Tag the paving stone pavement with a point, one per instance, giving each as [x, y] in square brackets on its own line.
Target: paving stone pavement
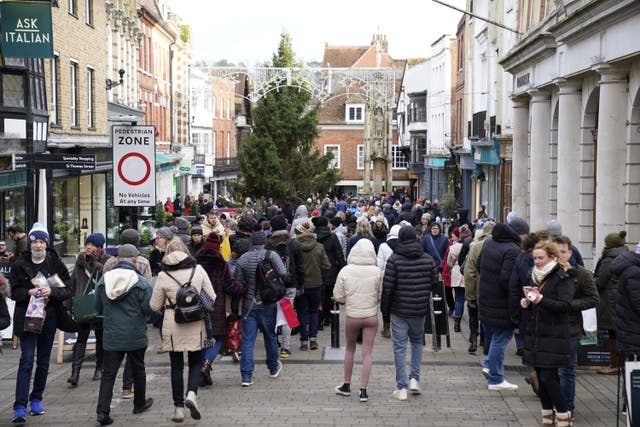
[454, 392]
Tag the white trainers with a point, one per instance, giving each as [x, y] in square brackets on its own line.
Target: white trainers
[178, 415]
[414, 386]
[192, 405]
[504, 385]
[400, 394]
[485, 372]
[277, 372]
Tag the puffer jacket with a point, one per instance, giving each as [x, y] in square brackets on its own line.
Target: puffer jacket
[627, 268]
[359, 283]
[316, 262]
[334, 252]
[607, 287]
[179, 336]
[246, 272]
[291, 253]
[409, 275]
[546, 343]
[496, 264]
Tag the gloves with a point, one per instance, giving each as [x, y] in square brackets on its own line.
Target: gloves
[299, 291]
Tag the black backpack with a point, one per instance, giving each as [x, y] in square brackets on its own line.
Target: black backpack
[187, 307]
[269, 283]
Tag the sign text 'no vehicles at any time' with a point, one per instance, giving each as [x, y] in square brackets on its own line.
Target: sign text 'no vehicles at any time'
[134, 167]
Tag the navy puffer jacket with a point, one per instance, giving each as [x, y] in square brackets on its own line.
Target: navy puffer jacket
[627, 268]
[497, 260]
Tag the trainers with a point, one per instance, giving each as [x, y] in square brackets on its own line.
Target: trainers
[363, 395]
[314, 345]
[414, 386]
[19, 415]
[504, 385]
[191, 404]
[344, 389]
[37, 408]
[400, 394]
[235, 356]
[485, 372]
[285, 353]
[248, 383]
[304, 347]
[127, 393]
[277, 372]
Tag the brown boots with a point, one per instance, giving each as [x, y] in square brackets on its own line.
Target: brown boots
[386, 332]
[456, 324]
[612, 369]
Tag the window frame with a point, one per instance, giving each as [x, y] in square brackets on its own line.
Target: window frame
[336, 158]
[398, 159]
[91, 79]
[88, 10]
[356, 108]
[73, 83]
[73, 9]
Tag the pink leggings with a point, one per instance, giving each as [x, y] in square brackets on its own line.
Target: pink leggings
[369, 328]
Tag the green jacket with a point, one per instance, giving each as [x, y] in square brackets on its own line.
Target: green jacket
[316, 262]
[122, 299]
[585, 296]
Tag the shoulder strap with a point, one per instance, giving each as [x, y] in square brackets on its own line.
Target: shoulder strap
[193, 271]
[433, 246]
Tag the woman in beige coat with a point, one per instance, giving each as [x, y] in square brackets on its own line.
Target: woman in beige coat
[358, 287]
[177, 267]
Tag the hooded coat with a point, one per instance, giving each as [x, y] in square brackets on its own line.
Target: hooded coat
[316, 262]
[359, 283]
[333, 249]
[408, 278]
[122, 299]
[627, 268]
[607, 287]
[179, 336]
[496, 264]
[301, 216]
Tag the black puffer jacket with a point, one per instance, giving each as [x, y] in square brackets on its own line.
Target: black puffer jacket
[627, 268]
[408, 277]
[547, 343]
[334, 253]
[607, 287]
[497, 260]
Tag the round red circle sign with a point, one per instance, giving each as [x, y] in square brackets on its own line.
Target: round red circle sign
[146, 174]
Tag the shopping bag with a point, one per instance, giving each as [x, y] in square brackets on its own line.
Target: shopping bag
[590, 326]
[234, 334]
[286, 308]
[84, 311]
[34, 319]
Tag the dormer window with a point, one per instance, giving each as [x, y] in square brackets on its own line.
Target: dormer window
[354, 113]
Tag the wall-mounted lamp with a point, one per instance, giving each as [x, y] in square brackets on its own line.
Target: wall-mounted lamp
[111, 83]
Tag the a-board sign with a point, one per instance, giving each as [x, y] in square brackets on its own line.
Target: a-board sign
[134, 166]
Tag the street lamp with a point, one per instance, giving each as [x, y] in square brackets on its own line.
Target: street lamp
[111, 83]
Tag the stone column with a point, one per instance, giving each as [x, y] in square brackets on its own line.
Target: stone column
[539, 159]
[611, 152]
[520, 157]
[569, 112]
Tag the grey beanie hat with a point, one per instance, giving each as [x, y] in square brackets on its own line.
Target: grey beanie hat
[519, 225]
[165, 232]
[130, 236]
[128, 251]
[554, 228]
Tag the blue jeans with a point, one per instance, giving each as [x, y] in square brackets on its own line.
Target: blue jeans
[568, 376]
[401, 329]
[263, 318]
[500, 338]
[309, 316]
[211, 352]
[30, 344]
[459, 305]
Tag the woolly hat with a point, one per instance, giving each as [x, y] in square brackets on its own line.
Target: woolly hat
[128, 251]
[393, 233]
[613, 240]
[38, 232]
[554, 228]
[407, 234]
[464, 231]
[130, 236]
[278, 222]
[213, 241]
[196, 229]
[165, 232]
[319, 221]
[519, 225]
[182, 224]
[258, 238]
[96, 239]
[456, 232]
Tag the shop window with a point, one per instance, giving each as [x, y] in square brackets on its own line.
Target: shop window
[335, 151]
[14, 208]
[66, 221]
[13, 90]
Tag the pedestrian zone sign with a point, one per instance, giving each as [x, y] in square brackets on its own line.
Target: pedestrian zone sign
[134, 166]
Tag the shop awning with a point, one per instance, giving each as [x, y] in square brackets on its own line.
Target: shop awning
[486, 153]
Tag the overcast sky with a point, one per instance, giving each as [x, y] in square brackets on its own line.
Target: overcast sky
[249, 31]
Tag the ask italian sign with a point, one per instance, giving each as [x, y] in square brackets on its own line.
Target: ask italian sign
[26, 29]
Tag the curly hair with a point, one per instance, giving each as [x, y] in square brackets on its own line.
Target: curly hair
[552, 251]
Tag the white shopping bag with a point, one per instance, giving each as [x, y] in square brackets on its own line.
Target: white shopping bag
[590, 326]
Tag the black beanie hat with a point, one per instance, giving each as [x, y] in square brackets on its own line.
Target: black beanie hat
[319, 221]
[278, 222]
[407, 233]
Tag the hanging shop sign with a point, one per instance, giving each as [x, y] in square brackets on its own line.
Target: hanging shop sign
[134, 167]
[26, 29]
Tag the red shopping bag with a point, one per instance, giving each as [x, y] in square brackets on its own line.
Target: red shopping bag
[289, 313]
[234, 334]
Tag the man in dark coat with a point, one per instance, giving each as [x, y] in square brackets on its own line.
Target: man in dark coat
[336, 258]
[627, 268]
[408, 278]
[496, 264]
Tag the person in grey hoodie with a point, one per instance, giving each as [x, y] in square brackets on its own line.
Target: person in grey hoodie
[301, 216]
[122, 299]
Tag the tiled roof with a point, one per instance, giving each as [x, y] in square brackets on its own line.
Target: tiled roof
[342, 56]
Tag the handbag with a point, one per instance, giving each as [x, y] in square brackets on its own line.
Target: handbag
[234, 334]
[66, 323]
[83, 305]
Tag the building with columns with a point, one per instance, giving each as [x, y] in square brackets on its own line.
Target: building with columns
[576, 118]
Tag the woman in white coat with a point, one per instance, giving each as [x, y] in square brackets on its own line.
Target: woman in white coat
[457, 278]
[178, 268]
[358, 287]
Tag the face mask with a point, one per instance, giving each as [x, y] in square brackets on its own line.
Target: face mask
[37, 255]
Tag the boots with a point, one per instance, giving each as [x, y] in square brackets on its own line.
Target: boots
[205, 374]
[564, 419]
[456, 324]
[473, 344]
[547, 417]
[612, 369]
[76, 364]
[386, 332]
[97, 375]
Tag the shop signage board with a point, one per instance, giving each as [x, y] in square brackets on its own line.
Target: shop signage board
[134, 165]
[27, 31]
[79, 162]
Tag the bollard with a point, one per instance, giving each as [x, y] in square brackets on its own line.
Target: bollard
[335, 326]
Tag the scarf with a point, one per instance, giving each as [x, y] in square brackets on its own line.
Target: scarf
[538, 275]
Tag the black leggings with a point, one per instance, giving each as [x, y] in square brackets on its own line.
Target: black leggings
[551, 395]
